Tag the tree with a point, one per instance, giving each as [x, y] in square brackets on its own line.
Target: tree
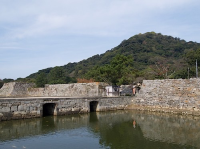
[119, 71]
[122, 69]
[1, 83]
[192, 56]
[56, 76]
[41, 80]
[70, 79]
[6, 80]
[26, 80]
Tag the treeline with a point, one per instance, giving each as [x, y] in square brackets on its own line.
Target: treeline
[143, 56]
[57, 75]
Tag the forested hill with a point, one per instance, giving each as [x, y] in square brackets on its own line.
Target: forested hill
[149, 51]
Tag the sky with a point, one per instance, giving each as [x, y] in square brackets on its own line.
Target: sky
[37, 34]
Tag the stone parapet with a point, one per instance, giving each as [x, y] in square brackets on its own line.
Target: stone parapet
[170, 93]
[17, 89]
[13, 89]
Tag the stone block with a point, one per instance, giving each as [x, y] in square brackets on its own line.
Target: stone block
[4, 104]
[13, 108]
[5, 109]
[17, 114]
[15, 104]
[31, 109]
[33, 112]
[20, 108]
[195, 109]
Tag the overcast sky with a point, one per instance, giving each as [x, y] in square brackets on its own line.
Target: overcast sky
[36, 34]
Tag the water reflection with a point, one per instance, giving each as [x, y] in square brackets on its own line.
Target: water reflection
[119, 129]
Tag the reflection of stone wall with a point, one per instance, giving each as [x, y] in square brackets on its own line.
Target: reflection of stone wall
[17, 89]
[31, 127]
[177, 94]
[157, 127]
[170, 128]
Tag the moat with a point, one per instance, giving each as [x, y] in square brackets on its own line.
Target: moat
[115, 130]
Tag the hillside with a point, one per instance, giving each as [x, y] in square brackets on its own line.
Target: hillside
[147, 50]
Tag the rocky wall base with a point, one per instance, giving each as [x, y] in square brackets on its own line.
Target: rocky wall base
[164, 110]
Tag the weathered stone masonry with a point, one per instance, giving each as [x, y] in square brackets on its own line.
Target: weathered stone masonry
[17, 89]
[175, 96]
[170, 95]
[19, 108]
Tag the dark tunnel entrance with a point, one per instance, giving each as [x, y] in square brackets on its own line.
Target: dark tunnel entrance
[93, 106]
[48, 109]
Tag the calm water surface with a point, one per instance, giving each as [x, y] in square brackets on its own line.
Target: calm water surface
[115, 130]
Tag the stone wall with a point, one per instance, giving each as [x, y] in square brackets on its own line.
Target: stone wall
[35, 92]
[75, 89]
[171, 95]
[17, 89]
[175, 96]
[19, 108]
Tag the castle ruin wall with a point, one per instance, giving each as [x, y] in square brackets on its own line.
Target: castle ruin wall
[170, 95]
[18, 89]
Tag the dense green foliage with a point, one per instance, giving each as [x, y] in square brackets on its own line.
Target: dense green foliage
[153, 56]
[1, 83]
[119, 71]
[57, 75]
[41, 80]
[6, 80]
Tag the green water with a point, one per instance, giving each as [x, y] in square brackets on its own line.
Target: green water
[114, 130]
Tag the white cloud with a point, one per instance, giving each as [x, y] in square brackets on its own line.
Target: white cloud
[79, 16]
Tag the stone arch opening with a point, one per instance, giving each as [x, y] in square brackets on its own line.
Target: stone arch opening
[49, 109]
[93, 106]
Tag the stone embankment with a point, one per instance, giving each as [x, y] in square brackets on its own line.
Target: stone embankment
[19, 108]
[170, 95]
[22, 100]
[174, 96]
